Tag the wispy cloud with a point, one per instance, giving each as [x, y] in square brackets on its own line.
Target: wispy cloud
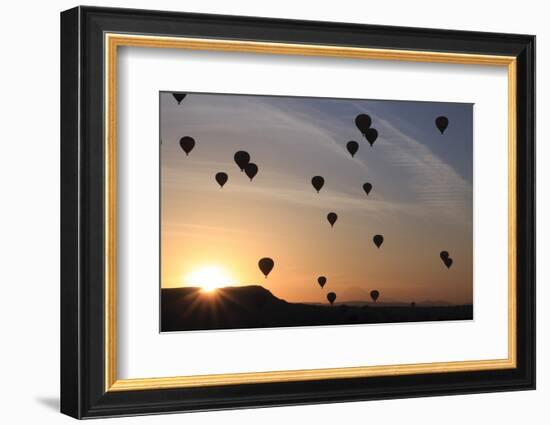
[433, 183]
[425, 183]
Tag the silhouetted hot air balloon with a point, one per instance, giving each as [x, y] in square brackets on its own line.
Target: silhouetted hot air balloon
[242, 158]
[378, 239]
[322, 280]
[441, 123]
[332, 217]
[266, 265]
[374, 295]
[371, 135]
[448, 261]
[179, 96]
[187, 144]
[352, 147]
[413, 304]
[251, 170]
[331, 297]
[363, 122]
[318, 182]
[221, 178]
[367, 187]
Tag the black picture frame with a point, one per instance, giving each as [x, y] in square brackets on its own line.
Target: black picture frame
[83, 392]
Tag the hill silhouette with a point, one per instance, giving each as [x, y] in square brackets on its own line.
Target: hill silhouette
[244, 307]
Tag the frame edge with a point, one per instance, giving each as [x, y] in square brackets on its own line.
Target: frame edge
[70, 348]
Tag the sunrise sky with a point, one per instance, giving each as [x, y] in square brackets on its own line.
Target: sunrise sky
[421, 201]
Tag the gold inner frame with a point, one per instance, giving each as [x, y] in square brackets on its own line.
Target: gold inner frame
[113, 41]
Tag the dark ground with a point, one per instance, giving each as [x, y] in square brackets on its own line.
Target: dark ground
[185, 309]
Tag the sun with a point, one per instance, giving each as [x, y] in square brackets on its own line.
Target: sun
[209, 278]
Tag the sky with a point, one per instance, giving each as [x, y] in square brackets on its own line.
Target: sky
[421, 201]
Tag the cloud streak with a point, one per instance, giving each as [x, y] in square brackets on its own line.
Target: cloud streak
[427, 182]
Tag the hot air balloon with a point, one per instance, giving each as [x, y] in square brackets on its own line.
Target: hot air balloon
[242, 158]
[331, 297]
[187, 144]
[318, 182]
[374, 295]
[448, 261]
[367, 187]
[441, 123]
[322, 280]
[332, 217]
[251, 170]
[221, 178]
[363, 122]
[266, 265]
[378, 239]
[179, 97]
[352, 147]
[413, 304]
[371, 135]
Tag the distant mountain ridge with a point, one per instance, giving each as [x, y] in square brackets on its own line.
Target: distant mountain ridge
[239, 307]
[390, 303]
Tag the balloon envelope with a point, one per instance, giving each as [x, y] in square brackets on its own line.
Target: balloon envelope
[363, 122]
[378, 239]
[441, 123]
[321, 280]
[251, 170]
[367, 187]
[187, 144]
[371, 135]
[221, 178]
[374, 295]
[266, 265]
[352, 147]
[448, 261]
[242, 158]
[318, 182]
[179, 97]
[331, 297]
[332, 217]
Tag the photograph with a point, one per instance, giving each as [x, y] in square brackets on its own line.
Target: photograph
[284, 211]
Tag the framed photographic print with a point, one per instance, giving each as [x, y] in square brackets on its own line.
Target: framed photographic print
[261, 212]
